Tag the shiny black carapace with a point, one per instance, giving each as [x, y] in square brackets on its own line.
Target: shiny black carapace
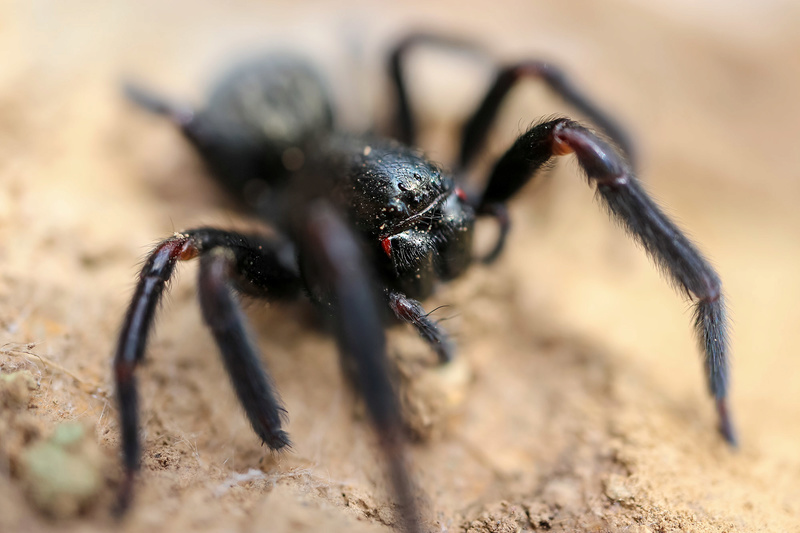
[366, 226]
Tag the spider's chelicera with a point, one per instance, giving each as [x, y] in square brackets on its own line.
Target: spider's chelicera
[367, 225]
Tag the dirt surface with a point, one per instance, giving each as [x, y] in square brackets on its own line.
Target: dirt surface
[578, 401]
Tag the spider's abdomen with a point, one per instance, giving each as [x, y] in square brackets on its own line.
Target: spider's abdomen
[260, 121]
[380, 183]
[278, 99]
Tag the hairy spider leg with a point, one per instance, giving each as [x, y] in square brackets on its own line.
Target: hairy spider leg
[476, 129]
[625, 199]
[406, 130]
[249, 264]
[335, 265]
[260, 267]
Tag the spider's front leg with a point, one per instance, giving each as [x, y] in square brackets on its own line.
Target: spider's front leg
[625, 199]
[342, 283]
[252, 265]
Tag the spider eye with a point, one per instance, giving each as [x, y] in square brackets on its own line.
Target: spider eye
[396, 206]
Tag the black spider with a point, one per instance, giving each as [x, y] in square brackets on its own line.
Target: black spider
[366, 224]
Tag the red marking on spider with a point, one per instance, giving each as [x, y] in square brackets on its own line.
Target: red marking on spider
[387, 246]
[461, 194]
[561, 147]
[188, 251]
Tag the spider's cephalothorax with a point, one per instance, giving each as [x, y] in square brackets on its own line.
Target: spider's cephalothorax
[366, 224]
[407, 208]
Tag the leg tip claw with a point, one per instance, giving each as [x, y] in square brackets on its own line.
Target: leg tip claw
[726, 428]
[125, 495]
[277, 440]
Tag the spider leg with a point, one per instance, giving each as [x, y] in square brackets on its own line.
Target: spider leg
[334, 264]
[235, 157]
[411, 311]
[224, 317]
[404, 117]
[256, 266]
[625, 199]
[182, 115]
[477, 127]
[208, 136]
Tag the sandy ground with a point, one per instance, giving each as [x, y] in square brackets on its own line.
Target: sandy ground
[578, 401]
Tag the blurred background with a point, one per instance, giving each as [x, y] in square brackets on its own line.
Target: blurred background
[585, 408]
